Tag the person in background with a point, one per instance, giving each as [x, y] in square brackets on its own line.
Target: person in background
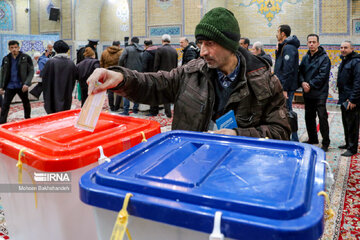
[58, 78]
[314, 72]
[258, 50]
[46, 56]
[224, 78]
[348, 83]
[48, 53]
[49, 50]
[244, 42]
[166, 58]
[80, 53]
[36, 57]
[189, 51]
[287, 66]
[198, 45]
[131, 58]
[148, 66]
[110, 57]
[17, 71]
[41, 61]
[84, 70]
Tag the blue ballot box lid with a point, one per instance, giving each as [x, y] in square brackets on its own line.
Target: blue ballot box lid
[265, 189]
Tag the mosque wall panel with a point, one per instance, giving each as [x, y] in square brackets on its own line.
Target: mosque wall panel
[334, 17]
[34, 18]
[47, 26]
[66, 19]
[259, 20]
[87, 19]
[115, 23]
[192, 15]
[164, 12]
[138, 18]
[7, 17]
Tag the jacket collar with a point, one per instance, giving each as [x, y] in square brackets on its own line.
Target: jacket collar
[61, 55]
[320, 51]
[10, 55]
[350, 56]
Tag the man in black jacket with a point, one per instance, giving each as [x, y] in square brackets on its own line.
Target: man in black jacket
[287, 65]
[348, 84]
[17, 71]
[148, 66]
[131, 58]
[166, 58]
[189, 51]
[314, 74]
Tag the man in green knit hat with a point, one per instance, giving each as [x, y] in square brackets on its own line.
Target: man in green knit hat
[225, 78]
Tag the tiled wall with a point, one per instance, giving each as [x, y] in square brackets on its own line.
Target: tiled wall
[334, 16]
[28, 43]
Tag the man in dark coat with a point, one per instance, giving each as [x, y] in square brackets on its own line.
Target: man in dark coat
[223, 79]
[58, 77]
[131, 58]
[258, 50]
[189, 51]
[17, 71]
[287, 65]
[348, 83]
[166, 59]
[148, 66]
[84, 70]
[314, 74]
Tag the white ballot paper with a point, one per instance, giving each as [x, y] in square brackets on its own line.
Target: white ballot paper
[90, 112]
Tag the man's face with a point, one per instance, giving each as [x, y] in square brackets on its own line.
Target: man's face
[14, 49]
[243, 44]
[346, 49]
[279, 35]
[255, 51]
[183, 43]
[214, 54]
[50, 48]
[313, 43]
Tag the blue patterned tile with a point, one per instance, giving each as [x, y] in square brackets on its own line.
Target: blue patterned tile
[159, 31]
[28, 43]
[6, 16]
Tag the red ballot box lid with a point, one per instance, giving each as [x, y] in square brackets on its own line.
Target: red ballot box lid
[53, 144]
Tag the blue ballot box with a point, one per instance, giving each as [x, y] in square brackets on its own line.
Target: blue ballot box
[265, 189]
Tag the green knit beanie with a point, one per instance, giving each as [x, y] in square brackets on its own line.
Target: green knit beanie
[221, 26]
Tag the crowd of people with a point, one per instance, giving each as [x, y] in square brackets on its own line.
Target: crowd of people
[216, 75]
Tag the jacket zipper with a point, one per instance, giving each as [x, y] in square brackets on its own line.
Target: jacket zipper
[195, 100]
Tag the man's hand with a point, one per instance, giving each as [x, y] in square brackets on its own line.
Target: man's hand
[2, 91]
[225, 131]
[109, 79]
[306, 87]
[25, 88]
[285, 94]
[351, 106]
